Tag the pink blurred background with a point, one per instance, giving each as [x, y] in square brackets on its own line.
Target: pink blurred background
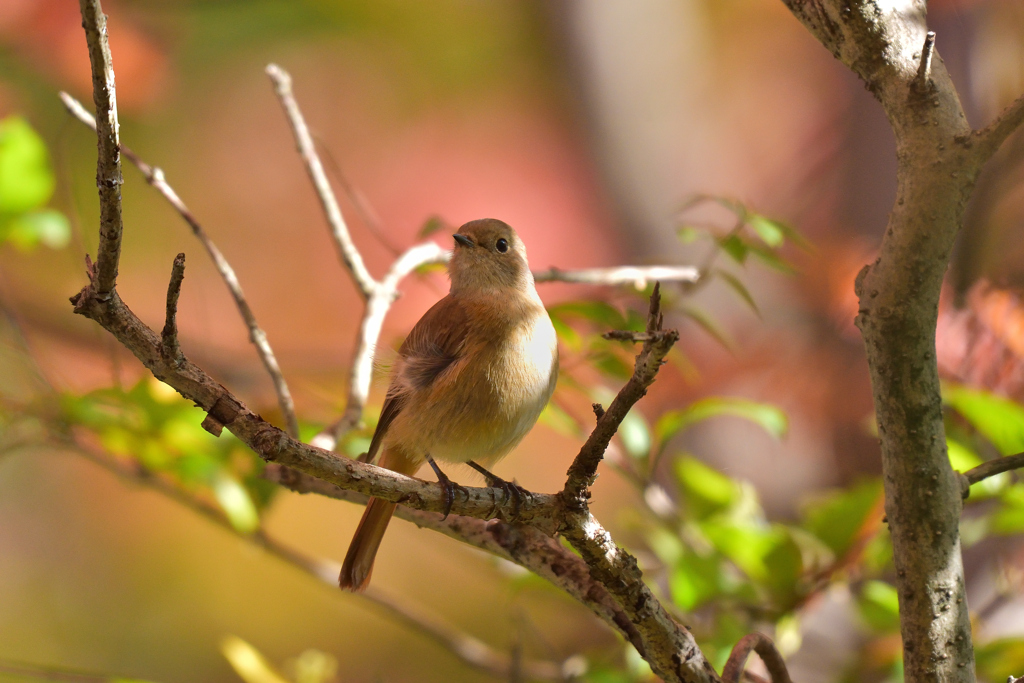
[582, 124]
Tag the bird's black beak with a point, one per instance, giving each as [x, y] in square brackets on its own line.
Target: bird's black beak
[463, 240]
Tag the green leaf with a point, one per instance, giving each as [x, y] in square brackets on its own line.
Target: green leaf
[1000, 659]
[998, 419]
[836, 517]
[788, 635]
[689, 234]
[707, 490]
[635, 435]
[707, 323]
[962, 458]
[565, 332]
[771, 259]
[599, 312]
[770, 232]
[236, 503]
[46, 226]
[26, 179]
[737, 286]
[748, 546]
[557, 419]
[430, 226]
[772, 419]
[609, 362]
[879, 605]
[250, 665]
[735, 247]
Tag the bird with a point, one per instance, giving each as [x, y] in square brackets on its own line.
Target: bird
[470, 381]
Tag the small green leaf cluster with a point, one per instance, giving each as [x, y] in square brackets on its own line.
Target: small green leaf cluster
[26, 186]
[152, 426]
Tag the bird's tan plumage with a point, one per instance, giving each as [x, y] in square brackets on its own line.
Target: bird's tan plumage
[471, 378]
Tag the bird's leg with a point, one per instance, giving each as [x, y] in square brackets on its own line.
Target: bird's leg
[510, 488]
[448, 486]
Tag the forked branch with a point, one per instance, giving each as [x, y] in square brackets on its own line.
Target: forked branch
[603, 577]
[108, 162]
[155, 177]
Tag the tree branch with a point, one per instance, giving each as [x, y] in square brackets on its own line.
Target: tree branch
[377, 307]
[765, 649]
[991, 137]
[169, 336]
[380, 301]
[470, 650]
[351, 257]
[638, 276]
[937, 163]
[656, 346]
[606, 579]
[520, 544]
[155, 177]
[108, 164]
[990, 469]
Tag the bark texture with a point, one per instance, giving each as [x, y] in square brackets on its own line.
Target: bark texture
[887, 44]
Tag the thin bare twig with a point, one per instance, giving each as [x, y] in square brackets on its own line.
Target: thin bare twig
[991, 137]
[990, 469]
[765, 648]
[155, 177]
[377, 307]
[615, 590]
[656, 346]
[108, 164]
[351, 257]
[638, 276]
[380, 302]
[470, 650]
[169, 336]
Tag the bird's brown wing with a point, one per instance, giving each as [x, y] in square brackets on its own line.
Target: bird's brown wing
[435, 344]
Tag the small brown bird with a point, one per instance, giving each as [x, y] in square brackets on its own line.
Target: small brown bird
[470, 381]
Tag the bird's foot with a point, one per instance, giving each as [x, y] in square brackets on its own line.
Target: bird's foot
[510, 489]
[448, 486]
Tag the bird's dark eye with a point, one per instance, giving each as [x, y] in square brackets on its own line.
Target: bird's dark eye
[502, 245]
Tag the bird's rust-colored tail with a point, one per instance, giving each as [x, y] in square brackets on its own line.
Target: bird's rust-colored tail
[358, 565]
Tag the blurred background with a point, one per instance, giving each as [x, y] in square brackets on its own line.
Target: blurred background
[586, 126]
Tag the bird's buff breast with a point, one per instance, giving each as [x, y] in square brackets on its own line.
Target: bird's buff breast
[484, 410]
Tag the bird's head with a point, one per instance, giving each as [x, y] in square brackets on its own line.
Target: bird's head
[489, 256]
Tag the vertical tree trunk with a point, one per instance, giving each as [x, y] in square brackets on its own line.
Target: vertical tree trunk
[886, 43]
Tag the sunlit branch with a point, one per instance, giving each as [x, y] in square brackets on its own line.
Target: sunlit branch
[377, 307]
[155, 177]
[470, 650]
[351, 257]
[108, 164]
[637, 276]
